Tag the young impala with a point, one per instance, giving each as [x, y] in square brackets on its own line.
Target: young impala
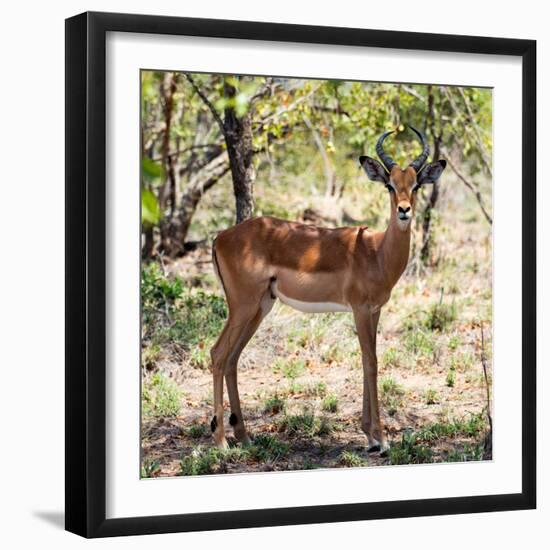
[314, 270]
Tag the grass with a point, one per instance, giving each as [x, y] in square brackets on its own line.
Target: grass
[274, 405]
[450, 379]
[264, 449]
[160, 396]
[431, 396]
[419, 343]
[150, 468]
[466, 454]
[306, 424]
[330, 403]
[318, 389]
[179, 315]
[290, 368]
[454, 342]
[351, 460]
[391, 394]
[472, 426]
[440, 316]
[415, 447]
[197, 431]
[392, 358]
[409, 450]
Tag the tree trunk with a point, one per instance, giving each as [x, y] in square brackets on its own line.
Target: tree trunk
[238, 138]
[427, 229]
[168, 190]
[199, 184]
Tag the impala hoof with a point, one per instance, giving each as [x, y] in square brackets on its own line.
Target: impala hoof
[374, 448]
[223, 445]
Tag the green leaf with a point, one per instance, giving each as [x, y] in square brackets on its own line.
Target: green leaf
[150, 211]
[150, 169]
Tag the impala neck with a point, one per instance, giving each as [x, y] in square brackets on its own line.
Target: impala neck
[394, 250]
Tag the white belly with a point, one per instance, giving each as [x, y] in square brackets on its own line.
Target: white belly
[309, 307]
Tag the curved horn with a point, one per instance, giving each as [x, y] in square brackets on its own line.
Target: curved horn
[389, 163]
[419, 161]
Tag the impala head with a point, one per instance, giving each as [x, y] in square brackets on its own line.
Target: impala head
[402, 184]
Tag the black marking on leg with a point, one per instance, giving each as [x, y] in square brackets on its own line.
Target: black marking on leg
[271, 281]
[214, 424]
[233, 419]
[374, 449]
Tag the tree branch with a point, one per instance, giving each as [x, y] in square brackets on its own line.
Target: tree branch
[207, 102]
[469, 130]
[469, 185]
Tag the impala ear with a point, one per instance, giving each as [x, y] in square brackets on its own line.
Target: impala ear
[375, 171]
[431, 172]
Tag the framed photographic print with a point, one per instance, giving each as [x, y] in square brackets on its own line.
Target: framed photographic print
[300, 274]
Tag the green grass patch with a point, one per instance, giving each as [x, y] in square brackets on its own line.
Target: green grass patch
[440, 316]
[409, 450]
[391, 394]
[306, 424]
[450, 379]
[290, 368]
[454, 342]
[431, 396]
[419, 343]
[196, 431]
[174, 314]
[318, 389]
[160, 396]
[467, 453]
[330, 403]
[274, 405]
[150, 468]
[264, 449]
[472, 426]
[392, 358]
[351, 460]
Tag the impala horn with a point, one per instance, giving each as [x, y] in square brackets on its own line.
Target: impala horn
[389, 163]
[419, 161]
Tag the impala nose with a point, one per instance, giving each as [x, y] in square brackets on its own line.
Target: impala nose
[404, 212]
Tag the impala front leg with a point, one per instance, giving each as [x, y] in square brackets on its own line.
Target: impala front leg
[367, 323]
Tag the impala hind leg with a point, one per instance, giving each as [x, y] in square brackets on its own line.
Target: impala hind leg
[218, 355]
[236, 419]
[239, 328]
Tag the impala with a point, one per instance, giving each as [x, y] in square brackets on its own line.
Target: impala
[314, 270]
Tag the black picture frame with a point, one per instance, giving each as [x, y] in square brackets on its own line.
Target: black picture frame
[86, 274]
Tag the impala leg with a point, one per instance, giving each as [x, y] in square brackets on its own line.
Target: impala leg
[239, 328]
[367, 324]
[236, 419]
[219, 355]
